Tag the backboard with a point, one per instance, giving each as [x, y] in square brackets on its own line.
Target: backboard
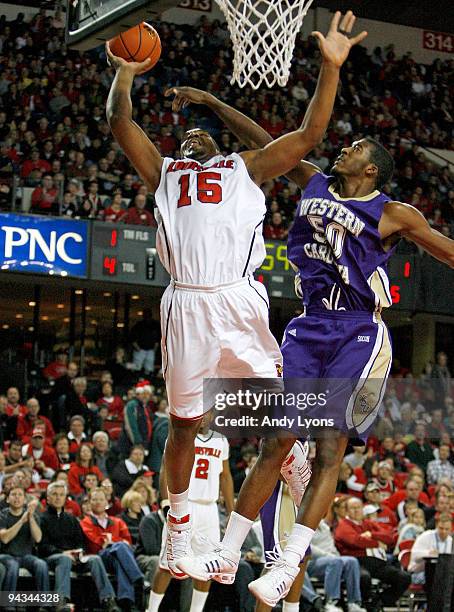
[90, 22]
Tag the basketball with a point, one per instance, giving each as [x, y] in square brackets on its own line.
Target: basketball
[137, 44]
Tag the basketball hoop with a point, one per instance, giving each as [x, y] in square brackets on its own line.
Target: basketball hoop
[263, 35]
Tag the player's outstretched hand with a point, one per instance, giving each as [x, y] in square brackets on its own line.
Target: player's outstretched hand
[185, 96]
[118, 62]
[336, 45]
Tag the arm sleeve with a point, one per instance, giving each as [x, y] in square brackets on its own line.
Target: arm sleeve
[225, 450]
[130, 424]
[124, 531]
[345, 534]
[383, 535]
[45, 547]
[420, 549]
[90, 533]
[73, 481]
[78, 536]
[353, 484]
[150, 536]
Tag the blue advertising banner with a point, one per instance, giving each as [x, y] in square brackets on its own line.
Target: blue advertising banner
[43, 245]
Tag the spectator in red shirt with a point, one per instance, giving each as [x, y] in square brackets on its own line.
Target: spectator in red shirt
[276, 229]
[14, 407]
[45, 458]
[385, 515]
[27, 423]
[114, 213]
[56, 368]
[44, 198]
[384, 479]
[166, 141]
[138, 215]
[368, 541]
[34, 163]
[109, 537]
[114, 403]
[82, 465]
[413, 491]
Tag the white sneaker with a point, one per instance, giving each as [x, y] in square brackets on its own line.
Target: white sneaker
[331, 607]
[219, 564]
[355, 607]
[275, 584]
[296, 470]
[179, 535]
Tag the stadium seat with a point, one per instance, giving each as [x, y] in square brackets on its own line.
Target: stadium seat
[415, 593]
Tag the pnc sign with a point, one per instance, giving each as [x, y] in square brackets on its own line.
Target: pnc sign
[43, 245]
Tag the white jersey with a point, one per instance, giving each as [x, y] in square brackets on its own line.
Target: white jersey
[210, 219]
[210, 451]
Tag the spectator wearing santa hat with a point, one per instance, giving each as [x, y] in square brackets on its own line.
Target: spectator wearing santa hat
[32, 419]
[138, 421]
[45, 458]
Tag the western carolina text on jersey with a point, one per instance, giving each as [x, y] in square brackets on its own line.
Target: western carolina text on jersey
[332, 210]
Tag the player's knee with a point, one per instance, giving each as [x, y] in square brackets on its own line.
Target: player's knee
[181, 431]
[328, 456]
[276, 449]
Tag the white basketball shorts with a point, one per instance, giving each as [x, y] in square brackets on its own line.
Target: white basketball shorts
[214, 332]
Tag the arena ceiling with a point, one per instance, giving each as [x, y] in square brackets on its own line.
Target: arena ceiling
[423, 14]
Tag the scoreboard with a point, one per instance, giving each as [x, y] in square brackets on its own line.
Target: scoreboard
[126, 254]
[277, 275]
[118, 253]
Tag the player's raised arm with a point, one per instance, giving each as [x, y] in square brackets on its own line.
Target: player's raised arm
[248, 132]
[283, 154]
[136, 145]
[408, 222]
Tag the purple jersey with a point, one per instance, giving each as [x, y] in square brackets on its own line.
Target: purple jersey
[335, 245]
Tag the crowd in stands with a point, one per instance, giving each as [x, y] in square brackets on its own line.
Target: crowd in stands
[79, 485]
[54, 134]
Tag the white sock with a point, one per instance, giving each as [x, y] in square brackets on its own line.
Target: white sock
[179, 504]
[290, 607]
[237, 529]
[297, 544]
[155, 601]
[198, 600]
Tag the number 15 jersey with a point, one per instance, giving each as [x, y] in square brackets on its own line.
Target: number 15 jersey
[210, 219]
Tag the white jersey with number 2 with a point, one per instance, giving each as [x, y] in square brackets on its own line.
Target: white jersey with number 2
[210, 220]
[210, 451]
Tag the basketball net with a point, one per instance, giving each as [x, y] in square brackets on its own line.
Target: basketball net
[263, 34]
